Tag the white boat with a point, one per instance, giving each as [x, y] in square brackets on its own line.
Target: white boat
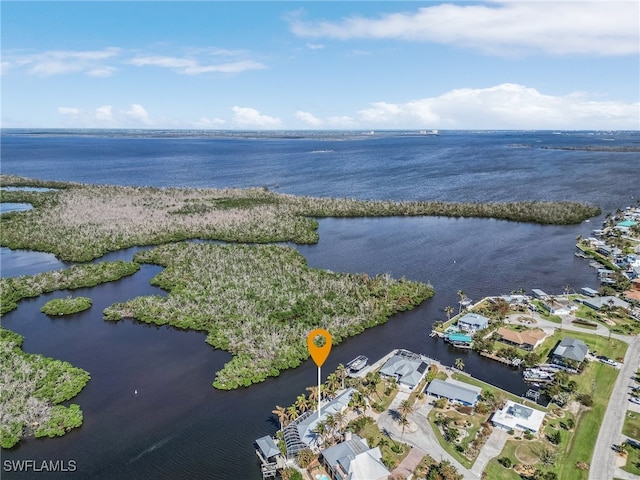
[357, 363]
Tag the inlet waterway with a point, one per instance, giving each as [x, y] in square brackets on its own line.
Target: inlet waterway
[177, 425]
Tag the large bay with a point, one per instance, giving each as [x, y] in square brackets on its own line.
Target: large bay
[178, 426]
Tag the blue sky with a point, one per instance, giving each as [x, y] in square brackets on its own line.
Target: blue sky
[370, 65]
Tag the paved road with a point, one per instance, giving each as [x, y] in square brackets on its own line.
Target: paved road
[603, 462]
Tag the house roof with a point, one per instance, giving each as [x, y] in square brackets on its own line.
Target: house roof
[473, 319]
[526, 337]
[454, 390]
[459, 337]
[307, 426]
[515, 415]
[267, 446]
[572, 349]
[355, 458]
[598, 302]
[407, 370]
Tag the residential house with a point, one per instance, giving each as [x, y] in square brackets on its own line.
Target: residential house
[609, 301]
[472, 322]
[526, 339]
[454, 391]
[406, 367]
[354, 460]
[570, 351]
[514, 416]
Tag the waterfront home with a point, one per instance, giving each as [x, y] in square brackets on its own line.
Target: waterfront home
[514, 416]
[406, 367]
[589, 292]
[301, 433]
[539, 294]
[609, 301]
[472, 322]
[458, 339]
[271, 459]
[354, 460]
[454, 391]
[633, 295]
[526, 339]
[570, 351]
[558, 306]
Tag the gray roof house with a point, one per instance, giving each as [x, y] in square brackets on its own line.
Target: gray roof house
[454, 391]
[406, 367]
[268, 447]
[570, 349]
[472, 322]
[354, 460]
[300, 433]
[598, 302]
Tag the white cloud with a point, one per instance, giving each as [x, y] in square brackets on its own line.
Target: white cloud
[59, 62]
[104, 113]
[205, 122]
[245, 117]
[138, 114]
[189, 66]
[315, 46]
[68, 111]
[308, 119]
[505, 106]
[505, 28]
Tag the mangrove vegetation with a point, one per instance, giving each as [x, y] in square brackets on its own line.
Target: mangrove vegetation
[66, 306]
[32, 388]
[259, 302]
[14, 289]
[81, 222]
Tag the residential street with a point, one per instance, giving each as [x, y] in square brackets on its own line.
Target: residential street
[603, 462]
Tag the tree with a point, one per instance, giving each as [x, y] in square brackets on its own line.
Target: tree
[404, 422]
[292, 412]
[405, 408]
[448, 310]
[302, 403]
[459, 364]
[341, 372]
[305, 457]
[463, 298]
[282, 415]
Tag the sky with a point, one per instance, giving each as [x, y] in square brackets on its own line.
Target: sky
[321, 65]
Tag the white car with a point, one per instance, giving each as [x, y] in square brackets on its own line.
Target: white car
[634, 400]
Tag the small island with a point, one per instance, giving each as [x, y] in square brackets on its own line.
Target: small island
[66, 306]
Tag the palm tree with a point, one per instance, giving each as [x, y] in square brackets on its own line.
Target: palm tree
[459, 364]
[281, 413]
[331, 385]
[302, 403]
[292, 411]
[313, 396]
[358, 402]
[448, 310]
[339, 418]
[405, 408]
[405, 423]
[341, 372]
[463, 297]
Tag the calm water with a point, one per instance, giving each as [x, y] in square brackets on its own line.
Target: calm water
[178, 426]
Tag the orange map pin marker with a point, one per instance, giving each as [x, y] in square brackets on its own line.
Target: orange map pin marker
[319, 348]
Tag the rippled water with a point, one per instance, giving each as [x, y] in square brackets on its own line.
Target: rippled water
[178, 426]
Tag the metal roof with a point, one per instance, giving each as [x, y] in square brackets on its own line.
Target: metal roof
[454, 390]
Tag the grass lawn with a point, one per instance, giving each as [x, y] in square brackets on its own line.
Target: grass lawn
[495, 471]
[375, 438]
[631, 426]
[449, 447]
[633, 460]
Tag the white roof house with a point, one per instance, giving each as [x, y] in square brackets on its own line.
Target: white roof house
[354, 460]
[514, 416]
[472, 322]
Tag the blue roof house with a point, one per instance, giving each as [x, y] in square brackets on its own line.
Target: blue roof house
[472, 322]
